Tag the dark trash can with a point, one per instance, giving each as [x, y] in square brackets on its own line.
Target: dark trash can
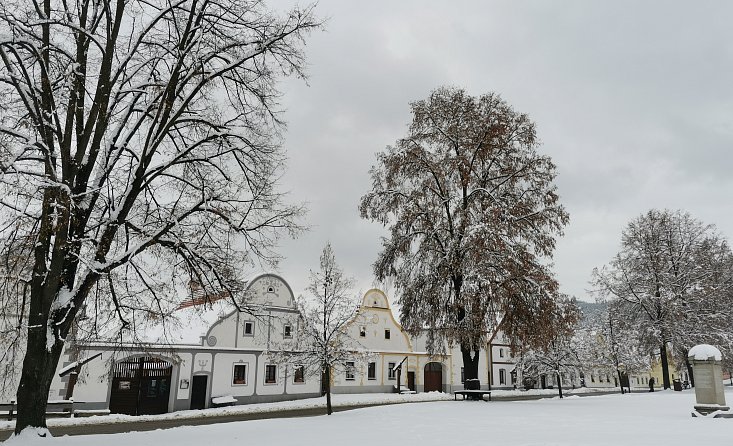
[677, 384]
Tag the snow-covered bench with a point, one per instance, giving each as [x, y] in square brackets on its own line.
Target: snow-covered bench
[403, 390]
[221, 401]
[472, 394]
[64, 408]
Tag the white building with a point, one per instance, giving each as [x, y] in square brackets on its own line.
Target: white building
[226, 359]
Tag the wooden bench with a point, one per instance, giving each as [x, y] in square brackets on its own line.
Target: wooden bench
[472, 394]
[64, 408]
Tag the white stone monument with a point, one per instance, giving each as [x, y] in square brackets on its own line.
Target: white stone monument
[708, 375]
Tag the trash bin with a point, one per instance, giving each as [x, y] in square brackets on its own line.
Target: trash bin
[677, 385]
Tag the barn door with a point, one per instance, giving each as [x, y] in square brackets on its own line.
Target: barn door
[433, 377]
[140, 386]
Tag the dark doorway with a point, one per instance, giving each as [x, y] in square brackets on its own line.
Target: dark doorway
[411, 381]
[433, 377]
[141, 386]
[198, 392]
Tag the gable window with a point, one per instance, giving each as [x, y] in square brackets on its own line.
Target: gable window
[299, 376]
[270, 374]
[249, 328]
[387, 333]
[502, 376]
[350, 371]
[501, 352]
[372, 370]
[288, 331]
[362, 332]
[390, 370]
[240, 375]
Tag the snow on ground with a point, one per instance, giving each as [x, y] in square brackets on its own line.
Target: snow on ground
[641, 418]
[338, 400]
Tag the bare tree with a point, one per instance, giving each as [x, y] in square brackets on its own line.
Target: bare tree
[559, 356]
[606, 342]
[324, 346]
[139, 150]
[472, 213]
[672, 281]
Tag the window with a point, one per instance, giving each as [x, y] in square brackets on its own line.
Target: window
[270, 374]
[299, 376]
[249, 328]
[372, 370]
[390, 370]
[501, 352]
[593, 378]
[350, 371]
[387, 334]
[362, 332]
[502, 376]
[240, 375]
[288, 331]
[463, 375]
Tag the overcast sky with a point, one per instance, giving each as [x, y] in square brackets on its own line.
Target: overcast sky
[632, 100]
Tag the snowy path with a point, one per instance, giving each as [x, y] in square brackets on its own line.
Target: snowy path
[658, 418]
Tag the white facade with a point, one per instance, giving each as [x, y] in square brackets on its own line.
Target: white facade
[229, 361]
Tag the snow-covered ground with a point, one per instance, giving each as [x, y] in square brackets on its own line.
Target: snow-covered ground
[642, 418]
[338, 400]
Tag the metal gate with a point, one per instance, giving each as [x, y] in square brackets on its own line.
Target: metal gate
[433, 377]
[141, 386]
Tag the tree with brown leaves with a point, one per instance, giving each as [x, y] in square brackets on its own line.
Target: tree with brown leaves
[472, 212]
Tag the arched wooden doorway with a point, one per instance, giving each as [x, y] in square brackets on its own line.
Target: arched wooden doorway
[433, 377]
[141, 386]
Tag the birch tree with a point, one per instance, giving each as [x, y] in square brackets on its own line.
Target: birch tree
[672, 281]
[472, 213]
[139, 150]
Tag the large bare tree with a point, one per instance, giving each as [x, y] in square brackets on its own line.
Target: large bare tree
[671, 281]
[139, 150]
[472, 212]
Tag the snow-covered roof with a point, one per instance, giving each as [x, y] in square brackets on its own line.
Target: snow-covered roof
[704, 352]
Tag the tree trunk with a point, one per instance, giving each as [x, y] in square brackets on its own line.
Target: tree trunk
[39, 365]
[690, 373]
[327, 376]
[470, 363]
[559, 384]
[665, 365]
[620, 381]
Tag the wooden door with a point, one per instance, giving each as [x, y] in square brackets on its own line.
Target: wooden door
[411, 381]
[433, 377]
[198, 392]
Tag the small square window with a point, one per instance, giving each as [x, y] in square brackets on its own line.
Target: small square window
[270, 374]
[387, 333]
[240, 375]
[362, 332]
[249, 328]
[299, 376]
[372, 370]
[350, 376]
[288, 331]
[390, 370]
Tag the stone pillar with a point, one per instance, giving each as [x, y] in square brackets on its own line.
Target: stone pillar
[709, 393]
